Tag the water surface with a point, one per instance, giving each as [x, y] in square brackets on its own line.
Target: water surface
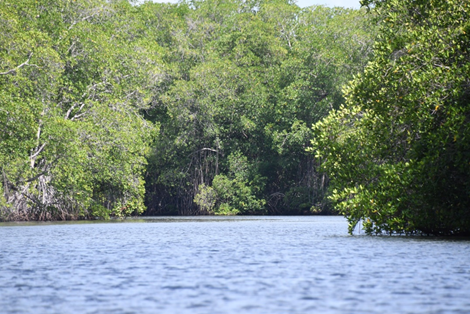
[227, 265]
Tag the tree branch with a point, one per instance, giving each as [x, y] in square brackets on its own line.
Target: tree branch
[83, 19]
[38, 151]
[18, 67]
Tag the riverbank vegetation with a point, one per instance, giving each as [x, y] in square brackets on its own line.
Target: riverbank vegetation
[113, 108]
[203, 107]
[398, 151]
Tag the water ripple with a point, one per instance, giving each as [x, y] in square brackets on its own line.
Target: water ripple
[227, 265]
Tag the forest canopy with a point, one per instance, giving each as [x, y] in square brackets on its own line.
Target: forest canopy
[201, 107]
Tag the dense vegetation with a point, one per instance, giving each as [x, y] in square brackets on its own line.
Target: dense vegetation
[398, 151]
[245, 82]
[109, 107]
[73, 80]
[206, 107]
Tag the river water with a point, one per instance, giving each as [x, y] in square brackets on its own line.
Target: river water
[227, 265]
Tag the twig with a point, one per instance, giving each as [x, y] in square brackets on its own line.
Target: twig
[18, 67]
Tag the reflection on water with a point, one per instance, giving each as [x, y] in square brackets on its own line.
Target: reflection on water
[227, 265]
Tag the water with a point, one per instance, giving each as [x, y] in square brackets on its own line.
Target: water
[227, 265]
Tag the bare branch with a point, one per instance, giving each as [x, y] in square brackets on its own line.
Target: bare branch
[84, 19]
[40, 149]
[67, 115]
[37, 176]
[47, 167]
[18, 67]
[77, 116]
[69, 111]
[209, 149]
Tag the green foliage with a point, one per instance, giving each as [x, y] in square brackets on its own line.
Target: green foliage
[397, 152]
[196, 107]
[206, 198]
[236, 193]
[72, 85]
[249, 78]
[232, 194]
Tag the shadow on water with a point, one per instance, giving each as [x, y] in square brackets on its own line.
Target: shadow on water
[147, 219]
